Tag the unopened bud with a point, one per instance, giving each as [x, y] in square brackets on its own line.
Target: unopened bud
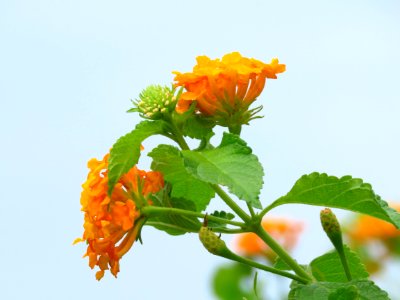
[211, 241]
[331, 226]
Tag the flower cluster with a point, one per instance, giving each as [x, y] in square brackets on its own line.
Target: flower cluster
[285, 231]
[112, 223]
[366, 228]
[154, 101]
[225, 88]
[375, 240]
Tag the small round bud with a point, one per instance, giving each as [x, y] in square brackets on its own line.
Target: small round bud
[155, 100]
[211, 241]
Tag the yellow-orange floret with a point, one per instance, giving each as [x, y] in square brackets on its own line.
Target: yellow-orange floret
[225, 86]
[111, 224]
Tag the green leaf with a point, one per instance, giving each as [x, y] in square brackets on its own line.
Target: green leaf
[230, 164]
[220, 214]
[198, 127]
[346, 193]
[174, 224]
[358, 289]
[328, 267]
[168, 160]
[350, 292]
[228, 282]
[125, 152]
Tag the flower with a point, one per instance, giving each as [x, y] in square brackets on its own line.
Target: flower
[111, 224]
[285, 231]
[225, 88]
[155, 101]
[366, 228]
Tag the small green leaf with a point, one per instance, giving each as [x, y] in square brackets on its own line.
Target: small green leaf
[174, 224]
[346, 193]
[358, 289]
[125, 152]
[220, 214]
[230, 164]
[168, 160]
[328, 267]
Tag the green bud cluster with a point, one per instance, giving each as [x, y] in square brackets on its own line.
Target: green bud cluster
[156, 100]
[211, 241]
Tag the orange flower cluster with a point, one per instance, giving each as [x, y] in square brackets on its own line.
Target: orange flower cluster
[225, 85]
[285, 231]
[112, 223]
[366, 228]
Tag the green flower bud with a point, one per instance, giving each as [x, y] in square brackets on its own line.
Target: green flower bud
[331, 227]
[154, 101]
[211, 241]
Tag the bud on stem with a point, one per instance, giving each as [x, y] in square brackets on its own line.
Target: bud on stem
[332, 229]
[211, 241]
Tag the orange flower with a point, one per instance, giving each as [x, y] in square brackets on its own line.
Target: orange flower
[366, 228]
[113, 223]
[285, 231]
[225, 86]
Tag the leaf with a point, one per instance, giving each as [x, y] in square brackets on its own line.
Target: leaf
[328, 267]
[350, 292]
[198, 127]
[168, 160]
[230, 164]
[125, 152]
[228, 282]
[346, 193]
[220, 214]
[174, 224]
[366, 290]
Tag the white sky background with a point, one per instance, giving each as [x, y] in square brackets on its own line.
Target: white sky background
[69, 68]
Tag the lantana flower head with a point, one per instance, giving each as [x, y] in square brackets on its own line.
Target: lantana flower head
[285, 231]
[224, 88]
[112, 224]
[366, 228]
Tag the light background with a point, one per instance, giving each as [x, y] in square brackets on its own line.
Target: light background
[69, 68]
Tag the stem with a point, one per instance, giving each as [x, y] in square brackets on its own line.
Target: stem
[216, 230]
[232, 204]
[343, 259]
[267, 209]
[282, 253]
[154, 211]
[251, 210]
[232, 256]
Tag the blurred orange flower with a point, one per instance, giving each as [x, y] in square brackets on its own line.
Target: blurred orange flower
[366, 228]
[225, 86]
[112, 223]
[285, 231]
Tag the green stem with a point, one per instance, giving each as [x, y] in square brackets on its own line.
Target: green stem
[251, 210]
[232, 256]
[183, 229]
[232, 204]
[343, 259]
[154, 211]
[265, 210]
[282, 253]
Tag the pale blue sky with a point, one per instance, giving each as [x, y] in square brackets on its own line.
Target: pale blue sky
[69, 68]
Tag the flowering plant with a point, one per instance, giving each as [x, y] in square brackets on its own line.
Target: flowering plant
[118, 199]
